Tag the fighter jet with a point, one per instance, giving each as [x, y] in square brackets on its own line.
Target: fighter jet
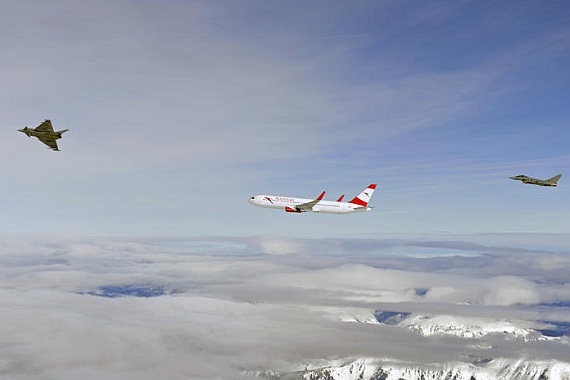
[299, 205]
[45, 133]
[535, 181]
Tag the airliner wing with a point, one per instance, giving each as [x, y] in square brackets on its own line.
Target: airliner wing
[309, 205]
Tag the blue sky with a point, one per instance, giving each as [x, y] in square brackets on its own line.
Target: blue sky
[179, 112]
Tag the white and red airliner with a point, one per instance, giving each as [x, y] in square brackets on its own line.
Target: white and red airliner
[298, 205]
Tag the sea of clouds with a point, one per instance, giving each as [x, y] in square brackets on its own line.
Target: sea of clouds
[216, 307]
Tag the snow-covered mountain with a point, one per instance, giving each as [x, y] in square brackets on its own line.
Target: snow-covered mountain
[478, 365]
[475, 367]
[466, 327]
[385, 369]
[458, 326]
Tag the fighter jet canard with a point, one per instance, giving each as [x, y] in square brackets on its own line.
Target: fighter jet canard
[553, 182]
[45, 133]
[299, 205]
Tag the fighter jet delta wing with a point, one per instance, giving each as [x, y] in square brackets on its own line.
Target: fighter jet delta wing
[309, 205]
[49, 142]
[45, 127]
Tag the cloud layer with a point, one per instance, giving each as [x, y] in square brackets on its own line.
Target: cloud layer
[228, 305]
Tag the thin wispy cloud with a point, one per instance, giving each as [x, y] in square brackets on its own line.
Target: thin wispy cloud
[171, 105]
[179, 112]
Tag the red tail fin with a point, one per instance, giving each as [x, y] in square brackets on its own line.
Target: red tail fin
[363, 198]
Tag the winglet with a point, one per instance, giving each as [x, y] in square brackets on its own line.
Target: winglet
[320, 197]
[340, 198]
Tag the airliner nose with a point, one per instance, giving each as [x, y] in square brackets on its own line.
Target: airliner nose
[251, 200]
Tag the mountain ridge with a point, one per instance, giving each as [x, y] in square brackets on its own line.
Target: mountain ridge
[386, 369]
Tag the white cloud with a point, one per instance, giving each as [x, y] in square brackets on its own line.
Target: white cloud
[510, 290]
[234, 304]
[277, 245]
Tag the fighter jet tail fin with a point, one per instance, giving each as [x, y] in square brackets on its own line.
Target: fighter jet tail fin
[554, 179]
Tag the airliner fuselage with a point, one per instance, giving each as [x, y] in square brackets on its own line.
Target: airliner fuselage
[299, 205]
[289, 204]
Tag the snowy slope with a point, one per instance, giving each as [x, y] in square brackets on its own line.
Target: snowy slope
[458, 326]
[467, 327]
[371, 369]
[383, 369]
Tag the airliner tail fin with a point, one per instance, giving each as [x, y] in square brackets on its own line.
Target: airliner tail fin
[363, 198]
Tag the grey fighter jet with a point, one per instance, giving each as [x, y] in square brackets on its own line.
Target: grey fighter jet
[535, 181]
[45, 133]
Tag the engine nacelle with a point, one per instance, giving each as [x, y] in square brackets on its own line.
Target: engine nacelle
[291, 209]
